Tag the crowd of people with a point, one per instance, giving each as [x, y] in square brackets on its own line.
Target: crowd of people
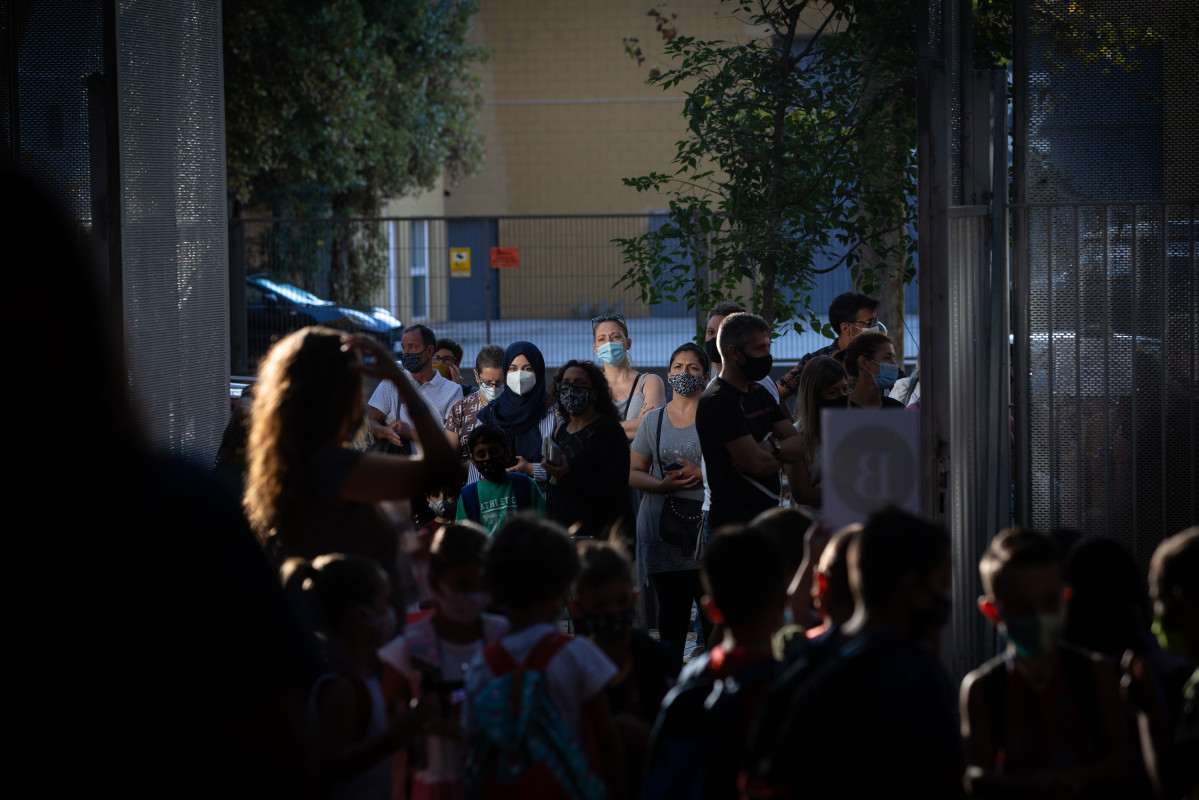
[539, 504]
[314, 641]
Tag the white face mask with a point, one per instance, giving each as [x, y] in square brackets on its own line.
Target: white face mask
[490, 392]
[521, 382]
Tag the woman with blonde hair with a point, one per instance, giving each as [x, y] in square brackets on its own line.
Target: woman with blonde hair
[307, 492]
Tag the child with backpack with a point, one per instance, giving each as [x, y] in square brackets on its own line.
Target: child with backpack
[536, 714]
[695, 747]
[357, 733]
[432, 656]
[1041, 717]
[602, 610]
[499, 494]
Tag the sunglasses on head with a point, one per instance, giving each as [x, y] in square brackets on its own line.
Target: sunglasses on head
[595, 321]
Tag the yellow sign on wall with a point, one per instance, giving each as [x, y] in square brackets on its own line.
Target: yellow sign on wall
[459, 262]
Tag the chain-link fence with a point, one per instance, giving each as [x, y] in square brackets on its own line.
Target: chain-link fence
[475, 280]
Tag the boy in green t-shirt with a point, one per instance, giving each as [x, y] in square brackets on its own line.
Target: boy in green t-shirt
[500, 495]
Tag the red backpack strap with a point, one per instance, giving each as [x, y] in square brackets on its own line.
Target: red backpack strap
[544, 651]
[498, 659]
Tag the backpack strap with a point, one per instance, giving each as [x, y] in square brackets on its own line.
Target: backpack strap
[521, 491]
[498, 659]
[470, 499]
[544, 651]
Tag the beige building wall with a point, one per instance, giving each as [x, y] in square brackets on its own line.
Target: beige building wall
[567, 114]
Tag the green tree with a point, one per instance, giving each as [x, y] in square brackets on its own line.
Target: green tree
[800, 147]
[333, 106]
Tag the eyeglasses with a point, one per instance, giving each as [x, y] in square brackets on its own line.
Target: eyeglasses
[865, 323]
[573, 385]
[491, 384]
[442, 359]
[607, 318]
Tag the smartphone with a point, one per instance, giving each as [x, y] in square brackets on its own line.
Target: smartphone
[672, 466]
[551, 452]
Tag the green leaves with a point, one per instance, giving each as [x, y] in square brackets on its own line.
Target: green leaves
[798, 154]
[367, 98]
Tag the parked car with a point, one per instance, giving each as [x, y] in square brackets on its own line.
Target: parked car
[275, 309]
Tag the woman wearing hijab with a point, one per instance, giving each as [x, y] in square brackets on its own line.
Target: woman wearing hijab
[523, 410]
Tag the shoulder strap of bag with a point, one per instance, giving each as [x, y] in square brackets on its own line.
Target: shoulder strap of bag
[658, 441]
[628, 401]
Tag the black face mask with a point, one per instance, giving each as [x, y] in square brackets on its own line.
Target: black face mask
[755, 369]
[710, 349]
[840, 402]
[610, 626]
[493, 469]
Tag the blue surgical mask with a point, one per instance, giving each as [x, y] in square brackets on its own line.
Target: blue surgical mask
[611, 353]
[887, 375]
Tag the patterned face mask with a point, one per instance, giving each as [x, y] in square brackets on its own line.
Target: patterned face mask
[610, 626]
[685, 384]
[444, 508]
[575, 399]
[412, 362]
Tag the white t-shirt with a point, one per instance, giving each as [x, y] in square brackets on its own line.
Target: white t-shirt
[577, 673]
[440, 393]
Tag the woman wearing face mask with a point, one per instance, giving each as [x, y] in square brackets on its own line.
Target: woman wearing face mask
[822, 384]
[670, 514]
[591, 484]
[634, 393]
[464, 415]
[870, 362]
[523, 411]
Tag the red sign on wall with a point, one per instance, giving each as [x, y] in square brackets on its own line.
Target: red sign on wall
[505, 257]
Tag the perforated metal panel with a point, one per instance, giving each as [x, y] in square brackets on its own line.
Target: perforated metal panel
[1108, 274]
[173, 209]
[58, 45]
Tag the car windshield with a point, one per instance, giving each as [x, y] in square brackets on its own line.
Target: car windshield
[293, 293]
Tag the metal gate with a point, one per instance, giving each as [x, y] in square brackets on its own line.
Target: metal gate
[963, 308]
[1106, 184]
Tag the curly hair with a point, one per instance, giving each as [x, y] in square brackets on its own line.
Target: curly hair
[601, 393]
[305, 399]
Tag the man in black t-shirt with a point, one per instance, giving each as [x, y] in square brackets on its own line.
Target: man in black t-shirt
[744, 434]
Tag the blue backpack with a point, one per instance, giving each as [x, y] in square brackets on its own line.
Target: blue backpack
[521, 749]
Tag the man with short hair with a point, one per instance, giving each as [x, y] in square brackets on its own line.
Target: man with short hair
[390, 421]
[744, 434]
[849, 314]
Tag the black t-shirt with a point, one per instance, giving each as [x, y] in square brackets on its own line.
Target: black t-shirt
[725, 414]
[595, 491]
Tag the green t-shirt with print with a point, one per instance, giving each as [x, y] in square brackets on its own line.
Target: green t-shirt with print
[497, 502]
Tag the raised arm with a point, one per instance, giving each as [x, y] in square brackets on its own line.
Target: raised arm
[382, 477]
